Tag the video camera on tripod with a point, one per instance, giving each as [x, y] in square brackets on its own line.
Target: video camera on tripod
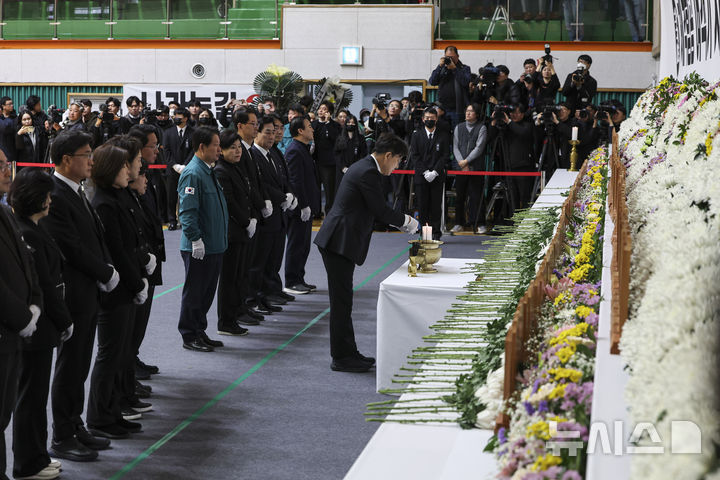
[488, 76]
[381, 100]
[150, 114]
[106, 116]
[547, 115]
[54, 114]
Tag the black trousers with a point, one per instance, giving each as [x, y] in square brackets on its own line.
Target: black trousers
[340, 272]
[466, 187]
[272, 282]
[9, 370]
[232, 287]
[171, 185]
[142, 317]
[30, 418]
[71, 371]
[299, 236]
[158, 179]
[114, 358]
[328, 179]
[430, 202]
[201, 280]
[270, 246]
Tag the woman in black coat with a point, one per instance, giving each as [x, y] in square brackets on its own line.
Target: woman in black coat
[30, 141]
[111, 174]
[349, 147]
[30, 199]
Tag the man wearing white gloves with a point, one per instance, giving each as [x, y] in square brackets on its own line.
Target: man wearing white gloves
[20, 298]
[303, 183]
[344, 240]
[76, 228]
[203, 215]
[430, 153]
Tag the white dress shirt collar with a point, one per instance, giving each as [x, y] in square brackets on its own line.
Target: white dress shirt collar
[74, 185]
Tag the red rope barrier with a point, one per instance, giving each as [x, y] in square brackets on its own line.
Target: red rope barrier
[479, 173]
[51, 165]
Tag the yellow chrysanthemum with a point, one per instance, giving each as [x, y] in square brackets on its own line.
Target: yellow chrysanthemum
[539, 429]
[545, 462]
[566, 373]
[582, 311]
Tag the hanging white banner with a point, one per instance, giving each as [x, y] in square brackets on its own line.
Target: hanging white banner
[213, 97]
[690, 38]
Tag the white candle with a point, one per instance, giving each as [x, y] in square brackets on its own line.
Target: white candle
[574, 133]
[427, 232]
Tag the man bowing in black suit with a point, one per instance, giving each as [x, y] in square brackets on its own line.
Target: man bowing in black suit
[344, 239]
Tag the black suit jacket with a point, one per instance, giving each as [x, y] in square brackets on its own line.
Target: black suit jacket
[425, 155]
[275, 188]
[250, 170]
[152, 230]
[19, 287]
[26, 151]
[236, 189]
[177, 150]
[125, 242]
[80, 237]
[519, 138]
[359, 202]
[55, 317]
[326, 135]
[303, 181]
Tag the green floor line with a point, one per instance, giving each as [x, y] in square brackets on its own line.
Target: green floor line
[185, 423]
[168, 291]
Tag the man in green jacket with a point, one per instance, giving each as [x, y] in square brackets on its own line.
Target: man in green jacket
[204, 220]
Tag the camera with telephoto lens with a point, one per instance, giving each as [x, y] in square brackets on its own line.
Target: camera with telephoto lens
[605, 110]
[584, 114]
[446, 60]
[150, 114]
[55, 114]
[488, 75]
[416, 116]
[381, 100]
[106, 116]
[578, 75]
[506, 109]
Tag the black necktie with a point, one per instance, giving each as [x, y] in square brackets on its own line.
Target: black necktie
[88, 207]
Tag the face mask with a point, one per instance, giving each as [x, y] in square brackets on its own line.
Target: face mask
[364, 118]
[177, 120]
[172, 112]
[430, 123]
[204, 121]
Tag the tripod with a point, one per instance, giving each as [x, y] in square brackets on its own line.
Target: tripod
[549, 149]
[501, 14]
[502, 190]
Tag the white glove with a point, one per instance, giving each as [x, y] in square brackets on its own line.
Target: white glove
[65, 336]
[344, 169]
[294, 204]
[289, 197]
[305, 214]
[142, 295]
[178, 168]
[32, 326]
[430, 175]
[411, 225]
[267, 211]
[151, 265]
[111, 284]
[198, 251]
[252, 227]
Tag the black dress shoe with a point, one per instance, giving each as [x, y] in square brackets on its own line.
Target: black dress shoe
[172, 225]
[274, 300]
[209, 342]
[266, 307]
[233, 329]
[141, 374]
[72, 449]
[298, 289]
[141, 393]
[95, 443]
[310, 286]
[152, 369]
[350, 364]
[143, 386]
[246, 319]
[132, 427]
[255, 314]
[109, 431]
[284, 295]
[370, 360]
[197, 345]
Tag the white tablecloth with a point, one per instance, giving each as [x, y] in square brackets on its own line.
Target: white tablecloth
[408, 306]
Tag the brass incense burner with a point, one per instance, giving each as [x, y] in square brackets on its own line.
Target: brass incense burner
[423, 255]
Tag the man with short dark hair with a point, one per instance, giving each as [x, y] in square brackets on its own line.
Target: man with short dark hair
[178, 152]
[344, 240]
[133, 116]
[295, 110]
[580, 87]
[7, 128]
[453, 80]
[77, 229]
[303, 183]
[194, 107]
[203, 215]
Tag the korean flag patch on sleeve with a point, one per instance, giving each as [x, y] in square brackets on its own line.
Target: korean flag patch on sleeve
[189, 191]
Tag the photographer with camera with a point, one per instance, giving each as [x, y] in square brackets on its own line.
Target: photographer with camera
[8, 120]
[557, 121]
[107, 124]
[511, 128]
[452, 78]
[580, 87]
[609, 115]
[385, 117]
[326, 132]
[429, 155]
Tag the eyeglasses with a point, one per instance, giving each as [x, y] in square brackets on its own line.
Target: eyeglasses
[87, 156]
[152, 147]
[5, 167]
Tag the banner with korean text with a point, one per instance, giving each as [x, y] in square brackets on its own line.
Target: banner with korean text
[213, 97]
[690, 38]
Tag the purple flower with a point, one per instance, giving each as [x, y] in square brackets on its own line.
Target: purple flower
[536, 385]
[529, 408]
[571, 475]
[592, 319]
[543, 406]
[502, 436]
